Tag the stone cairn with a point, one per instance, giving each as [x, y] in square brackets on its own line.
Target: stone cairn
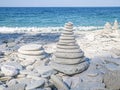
[107, 26]
[115, 26]
[28, 54]
[69, 58]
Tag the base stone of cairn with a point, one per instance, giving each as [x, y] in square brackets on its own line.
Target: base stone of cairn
[69, 58]
[31, 51]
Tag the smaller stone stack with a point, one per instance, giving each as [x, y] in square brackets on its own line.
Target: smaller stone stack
[28, 54]
[116, 26]
[107, 26]
[69, 58]
[31, 51]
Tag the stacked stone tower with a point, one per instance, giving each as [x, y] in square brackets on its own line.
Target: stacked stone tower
[69, 58]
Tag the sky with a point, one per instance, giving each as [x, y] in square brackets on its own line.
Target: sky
[59, 3]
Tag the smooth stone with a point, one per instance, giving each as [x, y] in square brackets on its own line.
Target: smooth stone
[115, 52]
[112, 67]
[89, 86]
[68, 47]
[68, 27]
[93, 74]
[30, 67]
[28, 62]
[5, 78]
[16, 87]
[12, 82]
[63, 35]
[24, 72]
[112, 80]
[35, 84]
[67, 41]
[31, 47]
[68, 44]
[67, 38]
[24, 80]
[36, 53]
[68, 50]
[21, 76]
[34, 77]
[9, 70]
[40, 63]
[114, 61]
[68, 61]
[70, 69]
[45, 71]
[2, 87]
[60, 85]
[15, 64]
[29, 57]
[69, 55]
[70, 30]
[67, 32]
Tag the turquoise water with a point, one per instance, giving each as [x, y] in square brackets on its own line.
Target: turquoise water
[56, 17]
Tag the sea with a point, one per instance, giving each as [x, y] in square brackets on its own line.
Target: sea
[57, 16]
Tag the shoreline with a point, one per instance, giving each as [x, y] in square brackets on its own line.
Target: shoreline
[45, 29]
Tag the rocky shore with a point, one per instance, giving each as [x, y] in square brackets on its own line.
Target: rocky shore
[26, 60]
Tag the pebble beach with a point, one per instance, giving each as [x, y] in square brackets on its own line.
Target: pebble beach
[62, 59]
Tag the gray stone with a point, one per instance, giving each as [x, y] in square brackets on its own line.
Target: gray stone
[28, 62]
[68, 50]
[70, 69]
[69, 55]
[67, 32]
[112, 67]
[35, 84]
[16, 87]
[9, 70]
[68, 47]
[112, 80]
[3, 79]
[29, 57]
[58, 83]
[68, 61]
[12, 82]
[36, 53]
[15, 64]
[45, 71]
[68, 37]
[67, 41]
[31, 47]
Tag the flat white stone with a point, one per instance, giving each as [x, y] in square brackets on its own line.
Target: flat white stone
[45, 71]
[70, 69]
[69, 55]
[9, 70]
[68, 61]
[29, 57]
[67, 44]
[112, 67]
[35, 84]
[67, 37]
[31, 47]
[67, 47]
[37, 53]
[58, 83]
[67, 32]
[67, 41]
[14, 64]
[93, 74]
[28, 62]
[68, 50]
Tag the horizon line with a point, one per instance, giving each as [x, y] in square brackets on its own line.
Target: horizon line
[54, 6]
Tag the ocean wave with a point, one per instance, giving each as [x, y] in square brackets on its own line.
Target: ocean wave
[44, 29]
